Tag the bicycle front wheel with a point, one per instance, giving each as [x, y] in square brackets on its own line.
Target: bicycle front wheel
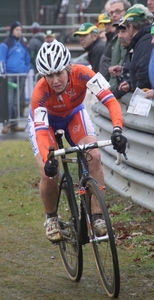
[104, 247]
[70, 248]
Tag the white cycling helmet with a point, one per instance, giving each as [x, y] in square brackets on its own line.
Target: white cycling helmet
[52, 58]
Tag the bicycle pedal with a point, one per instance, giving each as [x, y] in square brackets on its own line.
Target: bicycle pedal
[65, 233]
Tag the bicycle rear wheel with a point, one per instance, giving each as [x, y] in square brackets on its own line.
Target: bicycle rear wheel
[69, 248]
[104, 248]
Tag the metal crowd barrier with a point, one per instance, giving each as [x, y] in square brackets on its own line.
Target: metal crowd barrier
[134, 178]
[29, 85]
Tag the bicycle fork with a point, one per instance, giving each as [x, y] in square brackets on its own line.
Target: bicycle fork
[86, 226]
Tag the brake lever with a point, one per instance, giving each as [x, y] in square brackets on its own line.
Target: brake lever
[119, 158]
[51, 154]
[125, 156]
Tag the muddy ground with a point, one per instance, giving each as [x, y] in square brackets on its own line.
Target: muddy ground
[31, 267]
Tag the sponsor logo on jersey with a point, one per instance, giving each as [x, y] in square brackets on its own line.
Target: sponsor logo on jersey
[85, 77]
[76, 129]
[71, 93]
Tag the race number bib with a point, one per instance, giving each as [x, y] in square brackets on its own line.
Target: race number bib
[97, 83]
[41, 117]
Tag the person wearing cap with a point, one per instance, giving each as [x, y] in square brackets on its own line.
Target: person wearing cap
[147, 11]
[118, 52]
[35, 42]
[150, 92]
[137, 23]
[49, 36]
[105, 59]
[121, 72]
[15, 56]
[89, 38]
[101, 27]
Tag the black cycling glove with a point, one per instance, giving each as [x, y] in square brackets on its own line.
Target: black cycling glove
[118, 140]
[51, 168]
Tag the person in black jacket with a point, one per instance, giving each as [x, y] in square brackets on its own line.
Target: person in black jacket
[138, 24]
[122, 71]
[105, 60]
[89, 39]
[35, 42]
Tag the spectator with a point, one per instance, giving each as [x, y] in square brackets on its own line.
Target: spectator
[122, 71]
[137, 23]
[14, 55]
[146, 10]
[49, 36]
[101, 27]
[35, 43]
[117, 10]
[150, 93]
[89, 39]
[105, 60]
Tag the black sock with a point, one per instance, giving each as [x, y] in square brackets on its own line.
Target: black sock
[51, 215]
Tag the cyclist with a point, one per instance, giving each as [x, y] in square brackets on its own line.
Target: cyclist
[57, 103]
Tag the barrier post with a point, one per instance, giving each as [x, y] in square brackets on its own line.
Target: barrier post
[3, 99]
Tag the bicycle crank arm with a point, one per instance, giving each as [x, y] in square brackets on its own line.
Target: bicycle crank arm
[68, 237]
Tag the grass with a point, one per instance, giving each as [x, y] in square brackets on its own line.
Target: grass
[30, 267]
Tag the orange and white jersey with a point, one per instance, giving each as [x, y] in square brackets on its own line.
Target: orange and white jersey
[58, 110]
[74, 94]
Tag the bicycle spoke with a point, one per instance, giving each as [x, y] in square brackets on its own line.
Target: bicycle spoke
[104, 246]
[69, 248]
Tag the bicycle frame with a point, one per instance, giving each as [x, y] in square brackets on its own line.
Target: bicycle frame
[84, 176]
[78, 225]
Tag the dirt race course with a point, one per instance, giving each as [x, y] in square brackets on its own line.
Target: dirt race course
[30, 266]
[31, 269]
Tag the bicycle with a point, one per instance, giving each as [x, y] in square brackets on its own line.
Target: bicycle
[75, 217]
